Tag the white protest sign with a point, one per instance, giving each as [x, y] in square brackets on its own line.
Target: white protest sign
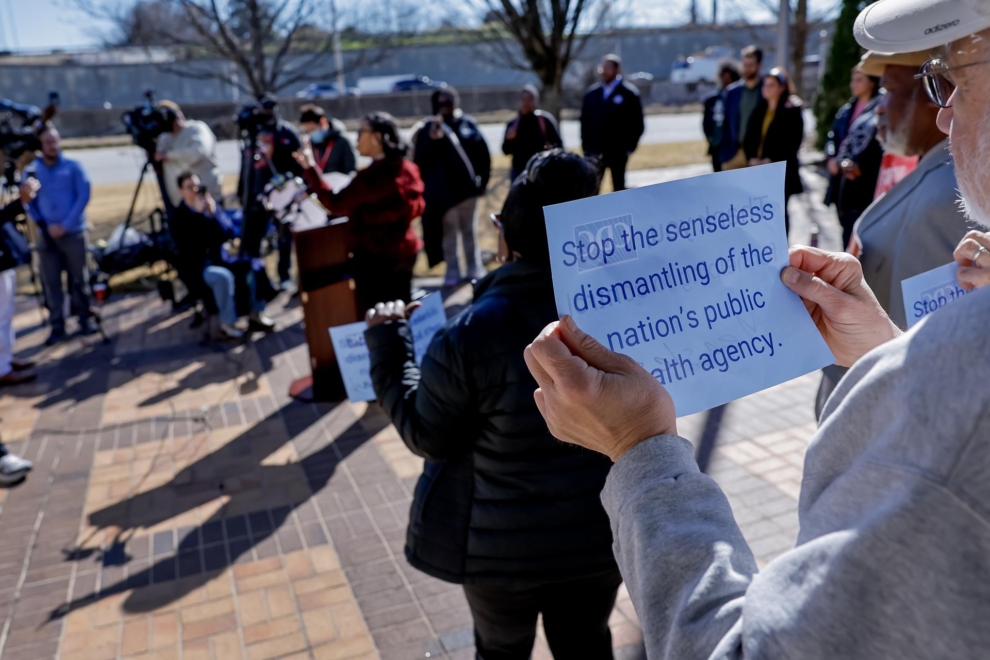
[352, 352]
[424, 323]
[925, 293]
[352, 358]
[684, 277]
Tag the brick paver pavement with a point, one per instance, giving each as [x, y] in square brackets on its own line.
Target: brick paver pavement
[182, 506]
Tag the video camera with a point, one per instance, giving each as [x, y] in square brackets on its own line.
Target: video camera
[254, 117]
[147, 121]
[20, 126]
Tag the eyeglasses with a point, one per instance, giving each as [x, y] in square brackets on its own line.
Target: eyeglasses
[938, 83]
[497, 220]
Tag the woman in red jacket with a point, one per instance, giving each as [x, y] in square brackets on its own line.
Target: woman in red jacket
[381, 202]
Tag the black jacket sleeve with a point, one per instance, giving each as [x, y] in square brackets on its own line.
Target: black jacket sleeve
[509, 146]
[432, 405]
[481, 158]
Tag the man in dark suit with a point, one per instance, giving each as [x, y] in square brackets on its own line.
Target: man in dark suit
[611, 120]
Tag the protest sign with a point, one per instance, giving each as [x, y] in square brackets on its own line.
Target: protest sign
[684, 277]
[424, 323]
[352, 352]
[926, 293]
[352, 358]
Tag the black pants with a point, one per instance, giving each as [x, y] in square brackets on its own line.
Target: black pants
[284, 251]
[716, 163]
[378, 280]
[575, 618]
[616, 163]
[253, 231]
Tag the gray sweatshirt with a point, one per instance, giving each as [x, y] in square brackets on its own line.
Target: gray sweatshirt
[893, 556]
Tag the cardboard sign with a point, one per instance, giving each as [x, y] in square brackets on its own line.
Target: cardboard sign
[685, 278]
[928, 292]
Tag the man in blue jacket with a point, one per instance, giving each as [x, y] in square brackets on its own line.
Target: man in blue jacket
[59, 211]
[741, 101]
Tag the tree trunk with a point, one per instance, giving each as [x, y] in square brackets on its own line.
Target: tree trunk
[553, 100]
[799, 40]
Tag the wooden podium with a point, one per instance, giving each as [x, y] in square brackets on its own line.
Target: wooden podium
[327, 294]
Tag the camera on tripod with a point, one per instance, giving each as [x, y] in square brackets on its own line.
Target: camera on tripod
[20, 125]
[147, 121]
[254, 117]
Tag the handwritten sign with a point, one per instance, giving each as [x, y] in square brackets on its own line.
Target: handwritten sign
[425, 322]
[352, 358]
[352, 352]
[928, 292]
[685, 278]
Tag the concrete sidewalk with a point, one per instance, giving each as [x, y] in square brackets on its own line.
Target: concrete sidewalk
[182, 506]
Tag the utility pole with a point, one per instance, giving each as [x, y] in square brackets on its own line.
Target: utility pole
[714, 12]
[783, 34]
[694, 12]
[338, 54]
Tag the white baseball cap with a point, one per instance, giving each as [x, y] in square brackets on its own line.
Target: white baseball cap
[904, 26]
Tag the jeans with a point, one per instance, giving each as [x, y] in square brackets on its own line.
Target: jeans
[221, 282]
[66, 254]
[575, 618]
[8, 287]
[459, 221]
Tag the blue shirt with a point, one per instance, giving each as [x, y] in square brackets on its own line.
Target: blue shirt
[63, 196]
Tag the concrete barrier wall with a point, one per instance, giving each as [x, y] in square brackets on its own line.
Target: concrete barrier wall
[101, 122]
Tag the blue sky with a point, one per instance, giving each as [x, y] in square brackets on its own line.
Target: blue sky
[46, 24]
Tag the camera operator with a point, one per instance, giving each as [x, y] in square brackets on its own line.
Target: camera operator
[59, 212]
[200, 227]
[269, 154]
[189, 145]
[14, 252]
[331, 148]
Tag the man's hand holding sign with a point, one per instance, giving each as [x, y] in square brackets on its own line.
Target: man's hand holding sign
[608, 396]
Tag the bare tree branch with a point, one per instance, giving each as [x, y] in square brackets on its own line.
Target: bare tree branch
[272, 43]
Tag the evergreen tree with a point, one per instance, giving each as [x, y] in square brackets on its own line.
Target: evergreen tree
[843, 56]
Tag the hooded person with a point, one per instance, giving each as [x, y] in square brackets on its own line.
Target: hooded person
[455, 163]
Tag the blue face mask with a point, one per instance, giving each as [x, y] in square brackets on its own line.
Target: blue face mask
[319, 135]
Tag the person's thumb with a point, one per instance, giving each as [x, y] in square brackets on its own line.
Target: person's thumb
[812, 288]
[589, 349]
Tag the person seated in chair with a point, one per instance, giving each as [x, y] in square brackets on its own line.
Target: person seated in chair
[200, 228]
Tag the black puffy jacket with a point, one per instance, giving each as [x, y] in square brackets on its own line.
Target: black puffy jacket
[500, 499]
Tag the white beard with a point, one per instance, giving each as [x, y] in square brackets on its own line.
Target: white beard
[974, 179]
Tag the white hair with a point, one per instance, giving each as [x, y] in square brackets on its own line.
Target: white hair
[974, 177]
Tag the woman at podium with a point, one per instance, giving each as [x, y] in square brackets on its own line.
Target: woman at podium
[381, 203]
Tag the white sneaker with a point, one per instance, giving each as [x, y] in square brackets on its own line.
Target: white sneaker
[231, 332]
[13, 468]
